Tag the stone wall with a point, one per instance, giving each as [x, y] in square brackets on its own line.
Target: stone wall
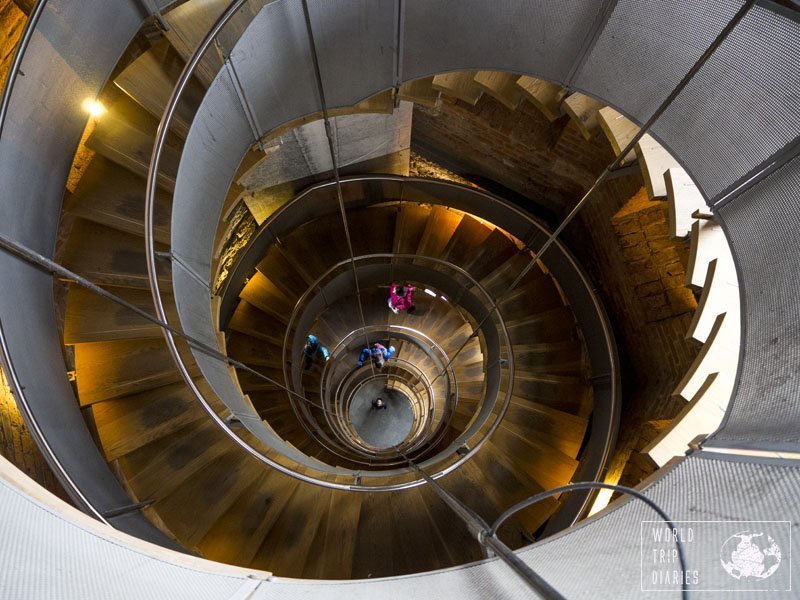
[548, 163]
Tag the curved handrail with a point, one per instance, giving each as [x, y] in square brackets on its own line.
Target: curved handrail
[603, 448]
[150, 196]
[150, 254]
[487, 297]
[450, 401]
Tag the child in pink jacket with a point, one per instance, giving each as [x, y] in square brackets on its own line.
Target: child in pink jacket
[402, 298]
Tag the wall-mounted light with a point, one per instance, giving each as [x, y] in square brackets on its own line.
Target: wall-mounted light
[94, 107]
[430, 292]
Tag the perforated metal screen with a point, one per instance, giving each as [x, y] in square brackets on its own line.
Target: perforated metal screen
[355, 41]
[646, 47]
[744, 104]
[765, 238]
[542, 37]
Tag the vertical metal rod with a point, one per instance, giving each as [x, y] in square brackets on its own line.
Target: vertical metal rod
[155, 12]
[616, 162]
[479, 528]
[335, 163]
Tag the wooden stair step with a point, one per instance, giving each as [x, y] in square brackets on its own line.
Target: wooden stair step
[545, 96]
[237, 535]
[126, 134]
[149, 80]
[419, 547]
[499, 280]
[558, 429]
[531, 299]
[253, 321]
[501, 86]
[158, 468]
[554, 325]
[194, 507]
[619, 130]
[264, 294]
[420, 91]
[583, 110]
[189, 23]
[375, 554]
[466, 239]
[440, 227]
[556, 357]
[409, 227]
[460, 85]
[336, 538]
[372, 230]
[505, 477]
[107, 256]
[569, 394]
[92, 318]
[114, 196]
[547, 466]
[316, 246]
[105, 370]
[126, 424]
[494, 251]
[290, 540]
[279, 269]
[253, 351]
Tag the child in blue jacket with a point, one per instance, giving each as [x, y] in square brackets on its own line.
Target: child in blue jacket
[379, 354]
[311, 349]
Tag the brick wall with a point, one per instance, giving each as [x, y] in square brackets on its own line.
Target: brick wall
[17, 445]
[549, 163]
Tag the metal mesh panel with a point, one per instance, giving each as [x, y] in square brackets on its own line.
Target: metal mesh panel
[764, 237]
[355, 47]
[541, 37]
[273, 63]
[44, 555]
[645, 49]
[743, 105]
[603, 557]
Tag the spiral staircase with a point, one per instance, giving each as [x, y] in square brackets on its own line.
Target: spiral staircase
[505, 383]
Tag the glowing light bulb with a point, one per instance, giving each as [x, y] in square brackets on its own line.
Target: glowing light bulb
[94, 107]
[430, 292]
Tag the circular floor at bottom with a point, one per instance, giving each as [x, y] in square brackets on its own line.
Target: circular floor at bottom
[381, 428]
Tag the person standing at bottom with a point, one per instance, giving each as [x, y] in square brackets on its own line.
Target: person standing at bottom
[378, 404]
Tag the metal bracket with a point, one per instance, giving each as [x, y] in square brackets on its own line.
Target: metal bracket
[154, 11]
[706, 216]
[129, 508]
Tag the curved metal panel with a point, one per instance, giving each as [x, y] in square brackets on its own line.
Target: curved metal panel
[541, 37]
[646, 47]
[762, 231]
[742, 107]
[65, 63]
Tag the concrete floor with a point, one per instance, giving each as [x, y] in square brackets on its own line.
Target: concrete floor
[381, 428]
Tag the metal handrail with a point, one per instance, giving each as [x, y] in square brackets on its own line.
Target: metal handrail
[318, 432]
[609, 429]
[316, 285]
[152, 273]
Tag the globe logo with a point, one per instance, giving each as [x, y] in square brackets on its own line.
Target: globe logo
[750, 556]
